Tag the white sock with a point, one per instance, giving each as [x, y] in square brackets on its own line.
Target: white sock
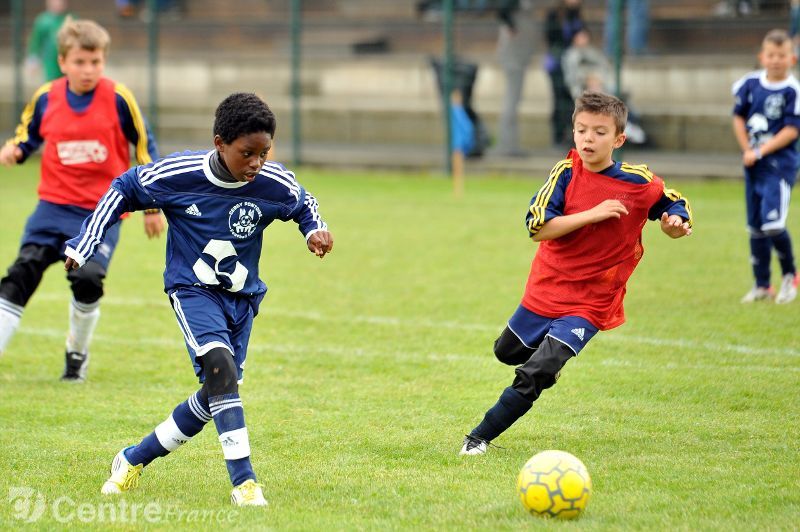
[9, 321]
[82, 322]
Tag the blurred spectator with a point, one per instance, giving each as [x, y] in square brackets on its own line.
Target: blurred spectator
[733, 8]
[562, 22]
[42, 45]
[587, 68]
[637, 25]
[515, 46]
[168, 8]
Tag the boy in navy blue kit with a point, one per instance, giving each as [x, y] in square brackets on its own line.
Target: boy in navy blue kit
[766, 122]
[218, 204]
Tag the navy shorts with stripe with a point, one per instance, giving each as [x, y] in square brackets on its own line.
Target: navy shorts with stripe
[214, 318]
[52, 225]
[768, 194]
[531, 329]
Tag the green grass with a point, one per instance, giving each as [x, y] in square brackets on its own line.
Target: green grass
[367, 368]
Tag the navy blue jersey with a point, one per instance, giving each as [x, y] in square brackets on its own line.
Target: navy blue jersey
[215, 226]
[549, 200]
[767, 107]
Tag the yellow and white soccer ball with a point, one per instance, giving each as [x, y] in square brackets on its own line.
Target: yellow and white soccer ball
[554, 484]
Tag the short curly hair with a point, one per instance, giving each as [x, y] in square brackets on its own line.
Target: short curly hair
[240, 114]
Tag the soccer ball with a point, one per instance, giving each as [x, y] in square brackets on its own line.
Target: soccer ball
[554, 484]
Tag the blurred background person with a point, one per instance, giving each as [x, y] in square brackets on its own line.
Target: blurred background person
[515, 46]
[562, 22]
[637, 25]
[586, 67]
[42, 46]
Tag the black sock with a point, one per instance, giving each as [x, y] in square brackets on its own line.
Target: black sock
[783, 246]
[510, 407]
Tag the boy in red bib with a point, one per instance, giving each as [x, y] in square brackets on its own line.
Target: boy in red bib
[589, 216]
[87, 121]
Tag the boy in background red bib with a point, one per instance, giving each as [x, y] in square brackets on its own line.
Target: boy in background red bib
[87, 121]
[589, 216]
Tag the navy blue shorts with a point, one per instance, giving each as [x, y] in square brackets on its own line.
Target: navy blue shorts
[531, 329]
[767, 194]
[214, 318]
[52, 225]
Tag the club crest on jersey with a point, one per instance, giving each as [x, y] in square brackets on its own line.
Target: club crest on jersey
[243, 219]
[773, 106]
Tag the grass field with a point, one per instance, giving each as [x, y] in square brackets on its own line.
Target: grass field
[367, 368]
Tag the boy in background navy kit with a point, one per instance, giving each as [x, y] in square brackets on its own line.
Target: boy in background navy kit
[86, 122]
[766, 122]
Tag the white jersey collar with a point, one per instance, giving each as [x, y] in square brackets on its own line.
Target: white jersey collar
[214, 179]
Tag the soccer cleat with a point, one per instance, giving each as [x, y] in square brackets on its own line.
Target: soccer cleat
[788, 290]
[474, 445]
[75, 366]
[758, 293]
[124, 475]
[248, 493]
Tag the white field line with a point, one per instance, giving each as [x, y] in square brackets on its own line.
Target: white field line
[680, 343]
[178, 346]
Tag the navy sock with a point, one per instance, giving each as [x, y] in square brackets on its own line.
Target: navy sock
[783, 248]
[228, 416]
[186, 421]
[760, 254]
[510, 407]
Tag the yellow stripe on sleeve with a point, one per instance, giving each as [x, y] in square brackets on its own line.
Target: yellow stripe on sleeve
[639, 169]
[539, 207]
[674, 195]
[142, 155]
[21, 133]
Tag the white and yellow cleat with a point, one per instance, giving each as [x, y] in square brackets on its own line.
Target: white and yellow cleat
[248, 493]
[124, 475]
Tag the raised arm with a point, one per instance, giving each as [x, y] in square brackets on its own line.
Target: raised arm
[124, 195]
[318, 239]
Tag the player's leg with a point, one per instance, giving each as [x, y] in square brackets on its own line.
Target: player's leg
[760, 243]
[777, 202]
[185, 422]
[564, 338]
[204, 325]
[84, 310]
[514, 346]
[19, 284]
[226, 407]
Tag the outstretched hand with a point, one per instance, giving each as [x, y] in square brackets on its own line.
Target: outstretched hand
[153, 225]
[10, 154]
[320, 243]
[674, 226]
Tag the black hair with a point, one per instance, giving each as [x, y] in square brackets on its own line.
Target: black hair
[242, 113]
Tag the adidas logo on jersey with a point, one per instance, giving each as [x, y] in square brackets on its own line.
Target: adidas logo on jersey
[579, 333]
[193, 210]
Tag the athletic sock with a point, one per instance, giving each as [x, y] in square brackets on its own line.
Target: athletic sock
[10, 315]
[760, 251]
[185, 422]
[510, 407]
[228, 416]
[82, 322]
[783, 248]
